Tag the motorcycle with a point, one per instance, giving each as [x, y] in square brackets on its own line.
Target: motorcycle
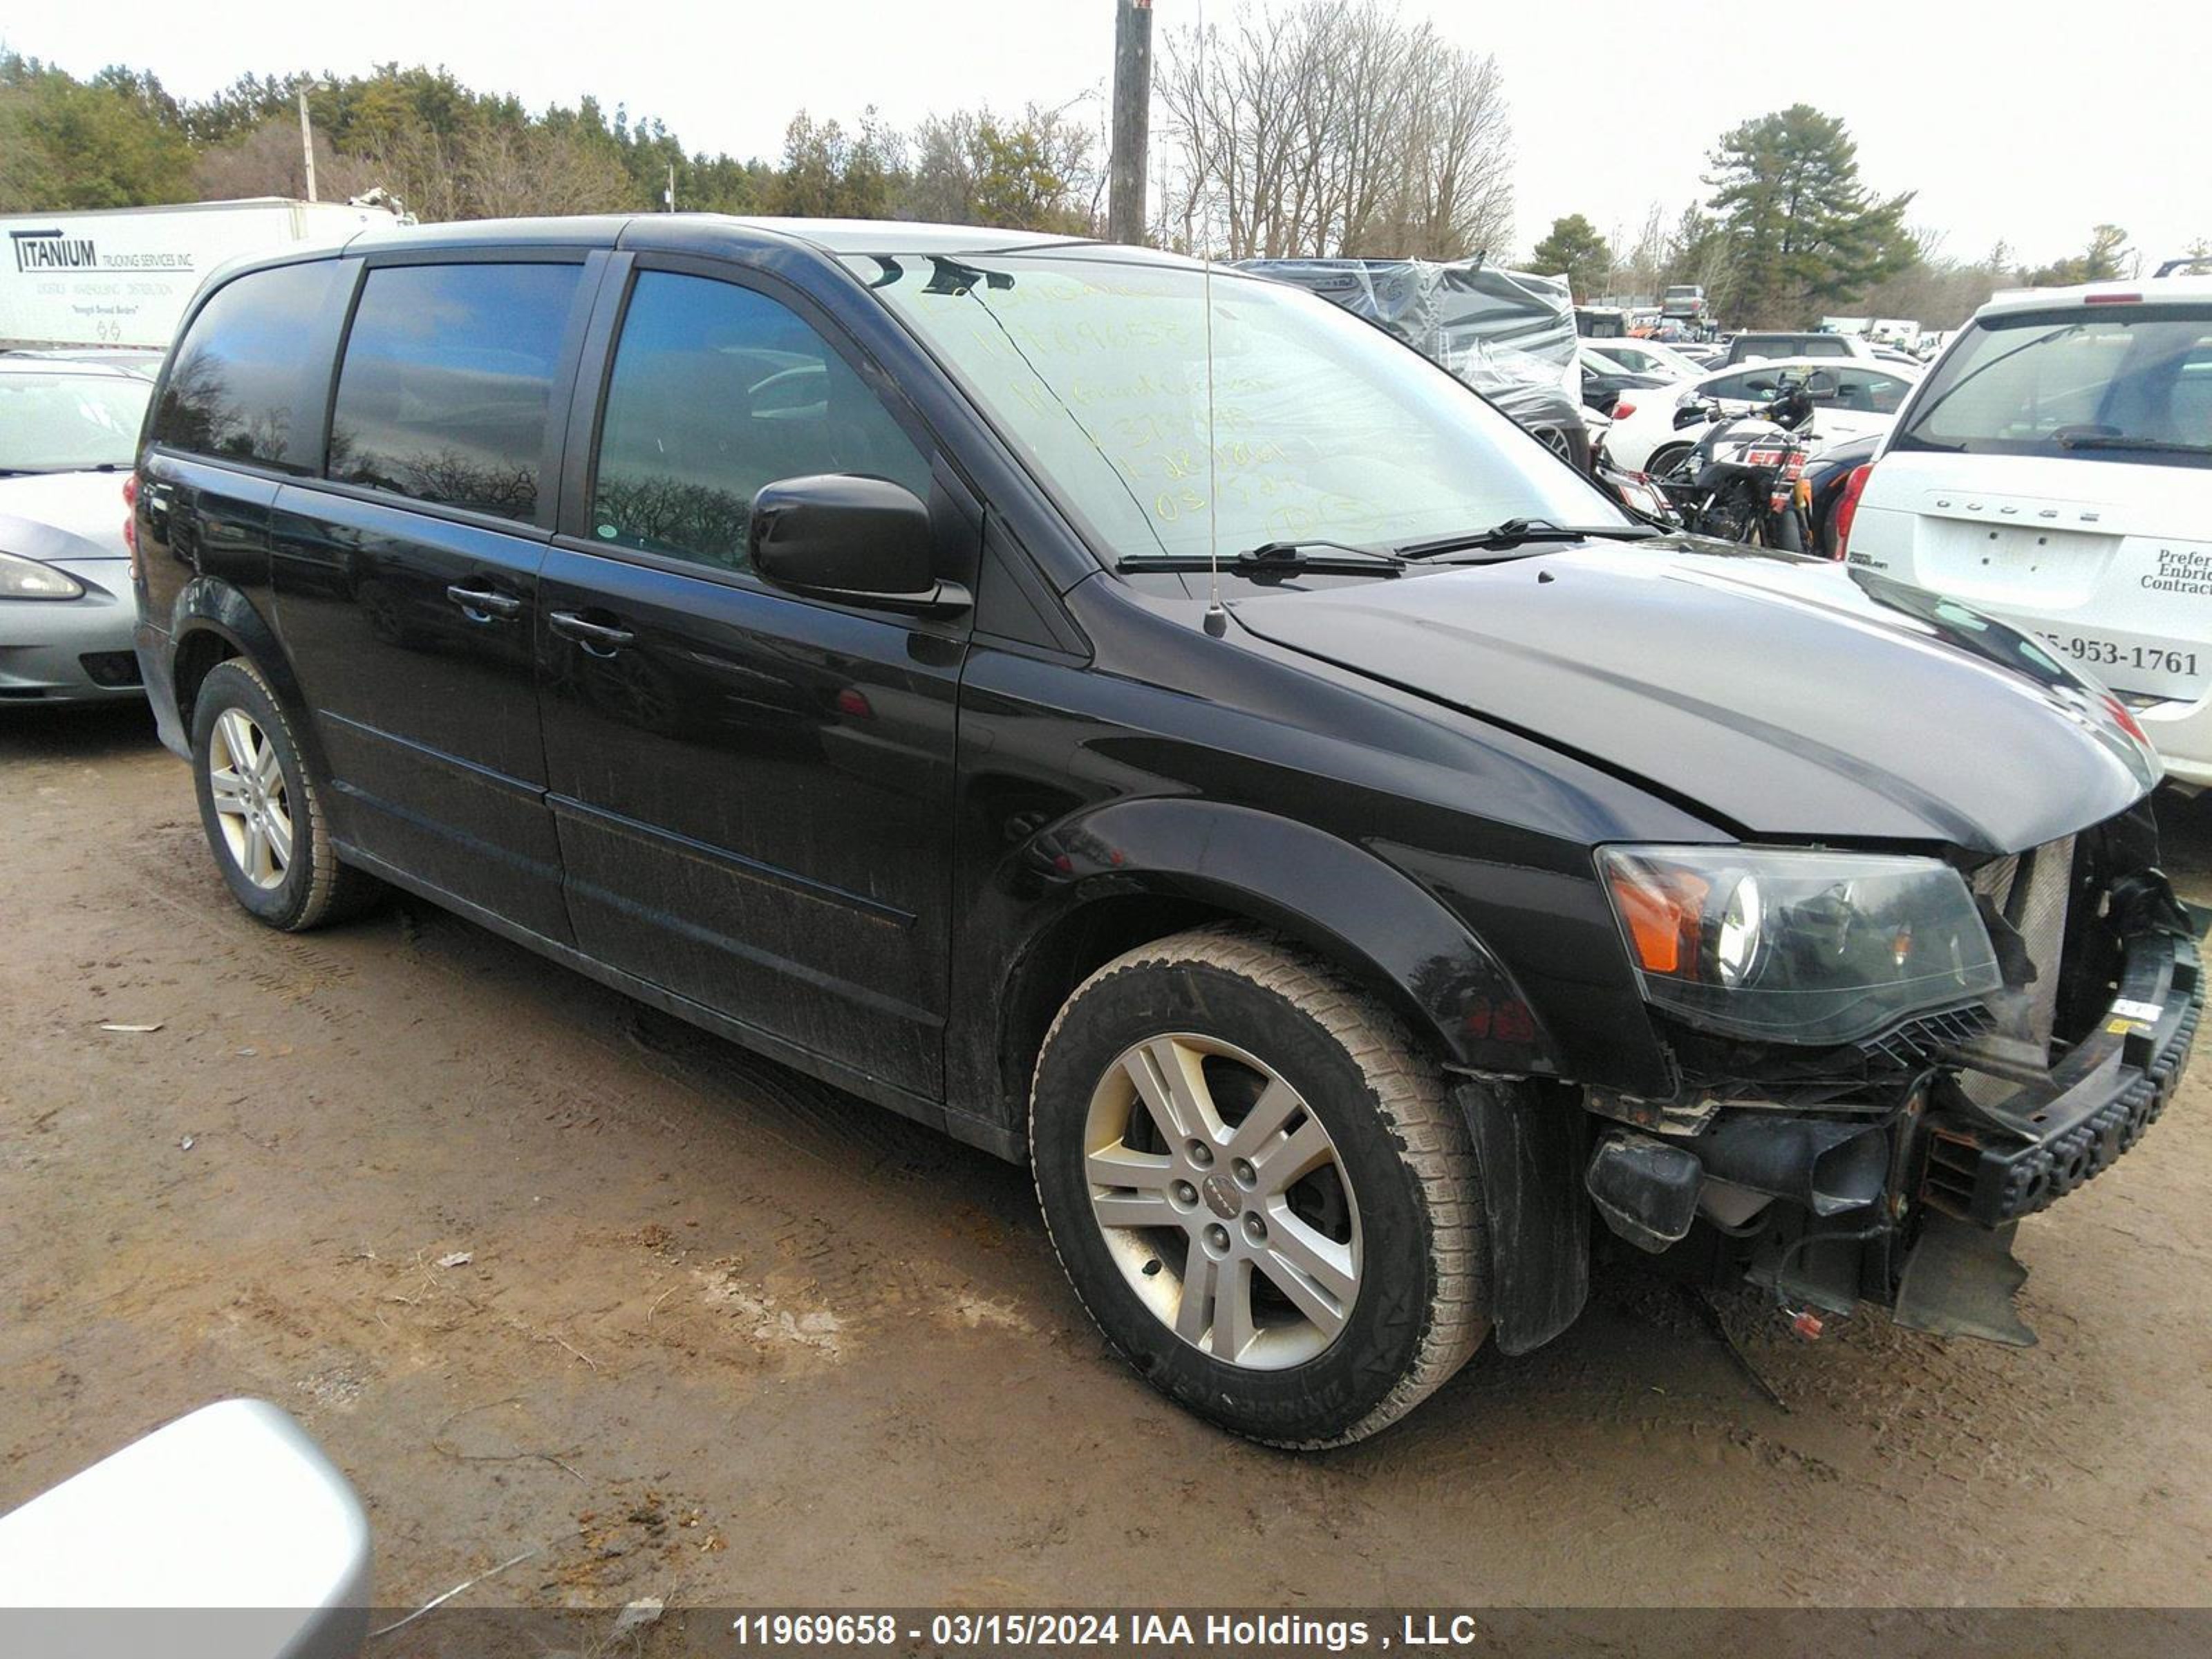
[1637, 492]
[1740, 483]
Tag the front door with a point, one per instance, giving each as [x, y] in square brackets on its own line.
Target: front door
[753, 792]
[407, 585]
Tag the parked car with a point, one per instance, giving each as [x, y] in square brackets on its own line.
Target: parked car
[1509, 334]
[1684, 303]
[1772, 348]
[1600, 322]
[1833, 478]
[1604, 381]
[1148, 722]
[68, 431]
[1854, 399]
[1653, 357]
[2054, 469]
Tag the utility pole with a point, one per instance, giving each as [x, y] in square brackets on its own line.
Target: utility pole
[670, 197]
[307, 143]
[1132, 108]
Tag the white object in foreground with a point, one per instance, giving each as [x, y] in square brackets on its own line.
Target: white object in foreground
[232, 1508]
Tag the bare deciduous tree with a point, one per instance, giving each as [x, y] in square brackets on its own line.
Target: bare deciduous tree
[1327, 129]
[267, 161]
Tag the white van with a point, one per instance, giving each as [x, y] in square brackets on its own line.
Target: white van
[2054, 470]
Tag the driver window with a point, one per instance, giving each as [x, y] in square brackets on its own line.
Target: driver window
[716, 392]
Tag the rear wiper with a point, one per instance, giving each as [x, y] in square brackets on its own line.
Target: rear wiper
[1519, 533]
[1280, 558]
[2118, 440]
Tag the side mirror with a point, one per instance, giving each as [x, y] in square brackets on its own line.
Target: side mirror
[839, 536]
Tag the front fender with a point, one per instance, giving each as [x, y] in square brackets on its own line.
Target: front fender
[1336, 897]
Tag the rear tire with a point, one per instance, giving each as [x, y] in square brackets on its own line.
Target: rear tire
[262, 808]
[1287, 1238]
[1665, 459]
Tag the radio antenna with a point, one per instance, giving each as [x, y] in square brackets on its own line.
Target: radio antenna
[1217, 617]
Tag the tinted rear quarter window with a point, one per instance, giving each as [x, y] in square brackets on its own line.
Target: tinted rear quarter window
[446, 390]
[245, 383]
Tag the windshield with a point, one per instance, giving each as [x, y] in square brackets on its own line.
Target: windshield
[1094, 370]
[2127, 385]
[70, 422]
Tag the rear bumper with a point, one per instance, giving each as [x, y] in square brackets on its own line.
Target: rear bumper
[1997, 1163]
[158, 670]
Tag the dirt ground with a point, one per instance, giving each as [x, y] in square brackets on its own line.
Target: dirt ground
[541, 1268]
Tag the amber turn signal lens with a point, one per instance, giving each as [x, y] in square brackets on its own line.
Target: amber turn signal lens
[1664, 910]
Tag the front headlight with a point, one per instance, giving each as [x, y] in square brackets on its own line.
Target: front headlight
[1790, 946]
[27, 578]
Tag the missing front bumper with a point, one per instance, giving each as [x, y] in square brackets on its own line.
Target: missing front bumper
[1993, 1164]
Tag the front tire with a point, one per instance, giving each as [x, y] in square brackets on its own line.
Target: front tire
[1261, 1189]
[262, 808]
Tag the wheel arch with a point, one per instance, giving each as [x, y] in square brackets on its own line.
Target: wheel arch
[1142, 870]
[213, 622]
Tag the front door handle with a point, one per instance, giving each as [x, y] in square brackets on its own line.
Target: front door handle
[481, 604]
[600, 639]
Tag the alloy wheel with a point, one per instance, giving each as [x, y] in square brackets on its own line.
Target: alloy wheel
[1223, 1202]
[252, 808]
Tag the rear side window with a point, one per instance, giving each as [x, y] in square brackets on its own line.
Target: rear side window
[718, 390]
[244, 384]
[446, 387]
[2131, 385]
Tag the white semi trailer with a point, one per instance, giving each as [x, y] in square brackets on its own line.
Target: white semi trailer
[123, 277]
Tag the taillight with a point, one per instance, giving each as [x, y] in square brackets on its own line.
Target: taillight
[131, 519]
[1622, 409]
[2123, 717]
[1847, 507]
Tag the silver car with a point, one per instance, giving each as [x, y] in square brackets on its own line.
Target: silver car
[67, 433]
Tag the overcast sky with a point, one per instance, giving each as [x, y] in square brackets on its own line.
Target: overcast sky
[2023, 120]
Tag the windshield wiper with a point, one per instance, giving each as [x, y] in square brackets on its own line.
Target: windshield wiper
[1280, 559]
[2120, 440]
[1519, 533]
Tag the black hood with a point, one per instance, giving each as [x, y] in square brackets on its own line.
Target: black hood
[1786, 698]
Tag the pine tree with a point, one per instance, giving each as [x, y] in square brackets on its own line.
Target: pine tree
[1575, 247]
[1802, 230]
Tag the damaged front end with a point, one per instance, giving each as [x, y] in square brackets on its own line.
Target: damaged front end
[1889, 1162]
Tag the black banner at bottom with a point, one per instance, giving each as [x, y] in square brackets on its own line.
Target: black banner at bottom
[650, 1632]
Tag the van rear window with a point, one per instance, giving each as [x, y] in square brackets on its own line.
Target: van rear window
[446, 386]
[2126, 386]
[240, 386]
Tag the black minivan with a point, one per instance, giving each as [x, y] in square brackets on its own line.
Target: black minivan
[1147, 721]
